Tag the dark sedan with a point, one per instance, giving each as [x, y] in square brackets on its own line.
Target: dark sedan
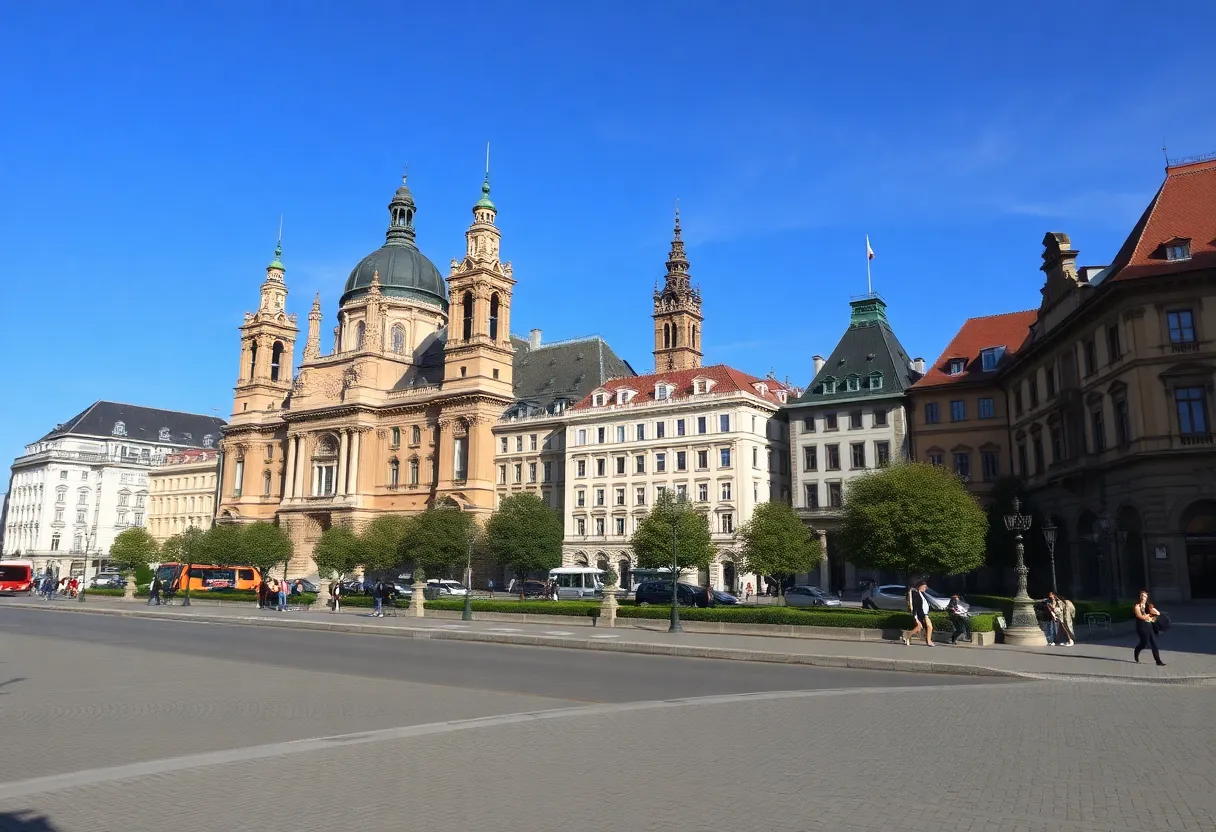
[659, 592]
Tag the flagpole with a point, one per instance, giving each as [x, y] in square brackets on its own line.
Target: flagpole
[869, 283]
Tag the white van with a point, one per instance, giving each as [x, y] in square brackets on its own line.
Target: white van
[578, 581]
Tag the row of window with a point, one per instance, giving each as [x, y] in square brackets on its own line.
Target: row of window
[990, 357]
[858, 458]
[533, 442]
[725, 493]
[680, 459]
[985, 408]
[855, 420]
[990, 463]
[518, 472]
[852, 383]
[394, 440]
[603, 435]
[599, 525]
[182, 483]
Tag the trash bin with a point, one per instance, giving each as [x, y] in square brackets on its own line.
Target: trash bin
[431, 593]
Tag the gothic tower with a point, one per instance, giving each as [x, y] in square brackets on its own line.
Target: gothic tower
[677, 314]
[268, 339]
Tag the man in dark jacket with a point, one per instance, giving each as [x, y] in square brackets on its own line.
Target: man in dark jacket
[378, 594]
[960, 617]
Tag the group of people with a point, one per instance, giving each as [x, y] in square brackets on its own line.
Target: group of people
[49, 585]
[273, 593]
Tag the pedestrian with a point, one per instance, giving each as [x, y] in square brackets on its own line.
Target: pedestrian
[1146, 616]
[378, 597]
[154, 592]
[283, 595]
[511, 586]
[48, 584]
[335, 592]
[918, 605]
[960, 617]
[298, 587]
[747, 592]
[1059, 620]
[553, 590]
[491, 586]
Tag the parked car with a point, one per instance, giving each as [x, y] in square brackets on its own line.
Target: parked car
[530, 589]
[895, 597]
[108, 580]
[448, 587]
[724, 597]
[659, 592]
[809, 596]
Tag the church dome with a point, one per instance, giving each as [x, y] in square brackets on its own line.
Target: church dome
[405, 272]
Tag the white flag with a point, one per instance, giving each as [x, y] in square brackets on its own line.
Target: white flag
[869, 251]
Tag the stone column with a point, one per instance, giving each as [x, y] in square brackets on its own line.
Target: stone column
[609, 605]
[417, 605]
[825, 570]
[343, 447]
[354, 461]
[289, 480]
[301, 464]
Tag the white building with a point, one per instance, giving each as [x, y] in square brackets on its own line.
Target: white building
[77, 487]
[710, 434]
[182, 493]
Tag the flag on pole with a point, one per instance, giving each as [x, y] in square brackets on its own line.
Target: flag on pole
[869, 251]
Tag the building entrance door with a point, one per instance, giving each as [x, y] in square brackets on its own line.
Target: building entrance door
[1201, 562]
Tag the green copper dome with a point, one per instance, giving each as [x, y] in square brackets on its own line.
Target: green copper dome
[485, 201]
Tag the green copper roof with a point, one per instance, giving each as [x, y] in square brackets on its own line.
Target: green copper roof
[485, 201]
[277, 263]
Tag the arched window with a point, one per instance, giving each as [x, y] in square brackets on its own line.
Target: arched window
[398, 339]
[395, 438]
[415, 435]
[675, 335]
[696, 337]
[394, 473]
[414, 471]
[276, 360]
[666, 335]
[360, 331]
[467, 305]
[253, 359]
[494, 317]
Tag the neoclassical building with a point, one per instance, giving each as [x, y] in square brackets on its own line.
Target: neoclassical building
[181, 493]
[397, 416]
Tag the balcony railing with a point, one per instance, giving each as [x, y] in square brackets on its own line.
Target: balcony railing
[1197, 439]
[1184, 346]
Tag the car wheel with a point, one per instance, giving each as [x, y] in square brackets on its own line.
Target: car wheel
[867, 604]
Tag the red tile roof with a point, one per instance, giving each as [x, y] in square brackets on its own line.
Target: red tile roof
[726, 379]
[1009, 331]
[1184, 208]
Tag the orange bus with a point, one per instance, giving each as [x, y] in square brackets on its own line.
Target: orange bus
[205, 577]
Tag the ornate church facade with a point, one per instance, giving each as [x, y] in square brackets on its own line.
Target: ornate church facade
[398, 417]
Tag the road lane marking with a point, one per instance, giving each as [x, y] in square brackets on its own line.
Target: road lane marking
[502, 630]
[132, 771]
[605, 635]
[558, 633]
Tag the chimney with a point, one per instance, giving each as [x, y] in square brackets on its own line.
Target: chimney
[818, 359]
[534, 339]
[1059, 257]
[918, 364]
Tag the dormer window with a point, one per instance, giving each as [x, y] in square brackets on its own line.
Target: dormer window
[761, 388]
[957, 366]
[120, 429]
[625, 395]
[164, 435]
[991, 357]
[599, 399]
[1178, 250]
[661, 391]
[829, 385]
[854, 384]
[781, 396]
[876, 380]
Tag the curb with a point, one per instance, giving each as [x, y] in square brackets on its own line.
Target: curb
[678, 650]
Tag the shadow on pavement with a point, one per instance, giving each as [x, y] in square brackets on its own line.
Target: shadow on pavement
[24, 821]
[12, 681]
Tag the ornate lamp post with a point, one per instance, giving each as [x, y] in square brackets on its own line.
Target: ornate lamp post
[675, 626]
[1024, 629]
[467, 614]
[1049, 537]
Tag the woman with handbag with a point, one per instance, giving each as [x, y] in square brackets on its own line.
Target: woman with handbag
[1146, 616]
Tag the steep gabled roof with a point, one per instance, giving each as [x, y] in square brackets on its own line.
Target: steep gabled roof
[142, 424]
[1183, 209]
[868, 347]
[567, 370]
[977, 334]
[725, 379]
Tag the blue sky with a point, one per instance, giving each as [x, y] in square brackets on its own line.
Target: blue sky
[148, 149]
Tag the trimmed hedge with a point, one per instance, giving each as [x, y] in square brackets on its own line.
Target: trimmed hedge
[576, 608]
[1004, 603]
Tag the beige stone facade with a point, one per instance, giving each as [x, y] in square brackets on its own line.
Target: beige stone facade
[181, 493]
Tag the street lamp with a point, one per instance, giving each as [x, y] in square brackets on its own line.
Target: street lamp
[1120, 548]
[1049, 537]
[89, 540]
[467, 615]
[674, 626]
[1024, 629]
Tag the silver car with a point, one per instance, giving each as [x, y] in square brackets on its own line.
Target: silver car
[809, 596]
[895, 597]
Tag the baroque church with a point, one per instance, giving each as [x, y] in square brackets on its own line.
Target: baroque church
[398, 417]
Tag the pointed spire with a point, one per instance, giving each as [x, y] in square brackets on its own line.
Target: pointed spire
[401, 212]
[485, 203]
[277, 262]
[374, 289]
[677, 260]
[312, 346]
[315, 312]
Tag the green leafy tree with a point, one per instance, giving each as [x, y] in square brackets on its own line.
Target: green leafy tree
[383, 542]
[672, 525]
[913, 518]
[337, 553]
[438, 540]
[775, 542]
[223, 544]
[266, 546]
[133, 548]
[525, 535]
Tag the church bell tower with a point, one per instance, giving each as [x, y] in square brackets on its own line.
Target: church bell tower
[268, 339]
[677, 314]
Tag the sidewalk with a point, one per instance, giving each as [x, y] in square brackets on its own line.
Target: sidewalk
[1188, 648]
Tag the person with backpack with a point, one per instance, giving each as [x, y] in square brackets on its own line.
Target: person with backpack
[918, 605]
[960, 617]
[154, 592]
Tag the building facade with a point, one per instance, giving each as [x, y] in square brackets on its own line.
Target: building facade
[181, 493]
[852, 419]
[85, 481]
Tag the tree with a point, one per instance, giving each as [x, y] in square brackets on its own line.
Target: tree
[265, 545]
[438, 540]
[184, 548]
[653, 544]
[133, 548]
[383, 541]
[913, 518]
[525, 535]
[337, 553]
[776, 542]
[223, 544]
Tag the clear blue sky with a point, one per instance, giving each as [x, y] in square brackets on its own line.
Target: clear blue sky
[147, 150]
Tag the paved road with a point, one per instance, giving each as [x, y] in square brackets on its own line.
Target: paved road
[156, 725]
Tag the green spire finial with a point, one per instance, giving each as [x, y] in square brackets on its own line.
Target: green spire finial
[485, 201]
[277, 262]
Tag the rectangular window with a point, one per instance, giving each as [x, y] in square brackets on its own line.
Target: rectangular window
[59, 497]
[1123, 422]
[702, 425]
[833, 457]
[880, 418]
[679, 427]
[640, 495]
[726, 491]
[601, 435]
[502, 475]
[810, 494]
[958, 411]
[139, 519]
[936, 459]
[962, 465]
[532, 442]
[724, 423]
[1022, 464]
[682, 492]
[932, 413]
[620, 497]
[547, 472]
[641, 432]
[639, 464]
[1050, 374]
[855, 420]
[835, 495]
[531, 472]
[599, 527]
[724, 458]
[986, 408]
[808, 424]
[703, 492]
[1114, 344]
[58, 515]
[519, 472]
[601, 467]
[1091, 357]
[1192, 411]
[1034, 392]
[990, 461]
[80, 516]
[989, 358]
[703, 460]
[519, 444]
[882, 453]
[619, 525]
[810, 458]
[660, 463]
[582, 439]
[681, 460]
[1182, 326]
[1099, 431]
[660, 430]
[755, 457]
[580, 468]
[1017, 402]
[859, 454]
[728, 523]
[580, 527]
[829, 421]
[620, 433]
[620, 465]
[1057, 444]
[599, 496]
[1036, 445]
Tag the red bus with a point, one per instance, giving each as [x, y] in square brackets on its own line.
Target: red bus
[16, 576]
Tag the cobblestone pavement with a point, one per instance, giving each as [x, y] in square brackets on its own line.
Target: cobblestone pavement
[1022, 757]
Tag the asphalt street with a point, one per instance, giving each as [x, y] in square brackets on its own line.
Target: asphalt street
[129, 724]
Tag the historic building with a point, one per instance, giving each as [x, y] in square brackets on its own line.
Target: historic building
[77, 487]
[853, 418]
[708, 434]
[960, 414]
[181, 493]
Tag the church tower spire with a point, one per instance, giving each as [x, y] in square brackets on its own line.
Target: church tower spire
[677, 312]
[268, 339]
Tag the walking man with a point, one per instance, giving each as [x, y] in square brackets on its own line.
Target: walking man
[154, 592]
[960, 615]
[918, 605]
[283, 595]
[378, 596]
